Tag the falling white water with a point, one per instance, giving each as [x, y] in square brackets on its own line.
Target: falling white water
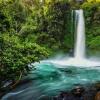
[79, 59]
[80, 39]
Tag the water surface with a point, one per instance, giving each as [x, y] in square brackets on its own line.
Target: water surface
[48, 79]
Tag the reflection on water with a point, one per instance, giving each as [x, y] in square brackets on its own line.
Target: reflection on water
[48, 79]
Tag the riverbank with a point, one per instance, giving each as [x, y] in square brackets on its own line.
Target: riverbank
[79, 92]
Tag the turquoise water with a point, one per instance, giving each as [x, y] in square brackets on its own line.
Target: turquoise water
[49, 79]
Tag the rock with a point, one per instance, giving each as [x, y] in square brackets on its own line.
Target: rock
[89, 93]
[97, 86]
[78, 91]
[97, 97]
[65, 96]
[62, 94]
[70, 95]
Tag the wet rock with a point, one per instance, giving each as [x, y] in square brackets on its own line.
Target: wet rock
[75, 94]
[97, 86]
[78, 91]
[88, 96]
[97, 97]
[65, 96]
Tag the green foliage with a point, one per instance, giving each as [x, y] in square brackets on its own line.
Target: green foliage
[31, 30]
[55, 24]
[95, 43]
[16, 55]
[93, 37]
[92, 17]
[92, 12]
[18, 47]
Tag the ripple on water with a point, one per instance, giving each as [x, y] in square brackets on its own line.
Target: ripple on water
[50, 80]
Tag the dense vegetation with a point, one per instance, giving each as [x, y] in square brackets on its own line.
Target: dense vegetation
[31, 30]
[92, 17]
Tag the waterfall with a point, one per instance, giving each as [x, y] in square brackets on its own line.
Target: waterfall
[79, 59]
[79, 51]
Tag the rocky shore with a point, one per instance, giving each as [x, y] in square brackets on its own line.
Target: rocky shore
[89, 92]
[78, 93]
